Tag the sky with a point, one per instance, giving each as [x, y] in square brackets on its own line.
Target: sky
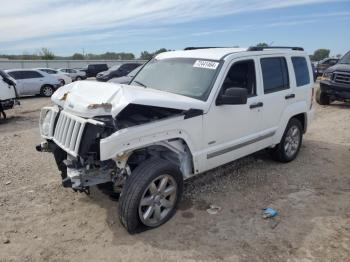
[98, 26]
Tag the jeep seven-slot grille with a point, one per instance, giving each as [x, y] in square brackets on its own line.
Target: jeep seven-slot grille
[343, 78]
[68, 132]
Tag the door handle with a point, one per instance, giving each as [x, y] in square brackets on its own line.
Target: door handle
[289, 96]
[259, 104]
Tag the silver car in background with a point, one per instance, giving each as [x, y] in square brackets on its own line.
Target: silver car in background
[76, 75]
[34, 82]
[62, 77]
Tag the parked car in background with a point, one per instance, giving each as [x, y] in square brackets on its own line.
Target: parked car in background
[116, 71]
[74, 74]
[8, 93]
[93, 69]
[64, 78]
[324, 64]
[184, 113]
[34, 82]
[335, 82]
[126, 79]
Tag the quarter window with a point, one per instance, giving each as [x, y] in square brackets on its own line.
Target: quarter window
[301, 70]
[275, 74]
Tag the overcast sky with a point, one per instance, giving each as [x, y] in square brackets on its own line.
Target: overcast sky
[97, 26]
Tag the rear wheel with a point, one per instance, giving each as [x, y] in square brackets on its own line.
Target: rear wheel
[288, 149]
[150, 195]
[46, 91]
[78, 78]
[322, 98]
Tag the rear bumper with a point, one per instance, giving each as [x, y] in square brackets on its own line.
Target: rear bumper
[335, 90]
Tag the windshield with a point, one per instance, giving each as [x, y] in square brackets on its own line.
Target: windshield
[115, 67]
[184, 76]
[345, 59]
[134, 72]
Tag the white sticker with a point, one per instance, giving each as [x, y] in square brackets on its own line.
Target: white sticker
[206, 64]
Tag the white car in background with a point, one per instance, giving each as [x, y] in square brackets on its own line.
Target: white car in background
[31, 82]
[62, 77]
[76, 75]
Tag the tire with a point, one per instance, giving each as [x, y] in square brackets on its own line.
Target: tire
[322, 98]
[46, 91]
[62, 82]
[78, 78]
[288, 149]
[136, 216]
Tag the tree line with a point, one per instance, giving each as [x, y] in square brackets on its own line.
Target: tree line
[47, 54]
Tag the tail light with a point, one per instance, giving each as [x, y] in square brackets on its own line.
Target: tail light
[312, 97]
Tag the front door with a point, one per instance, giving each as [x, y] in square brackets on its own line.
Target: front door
[231, 131]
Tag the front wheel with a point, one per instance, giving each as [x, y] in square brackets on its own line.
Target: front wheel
[150, 195]
[322, 98]
[288, 149]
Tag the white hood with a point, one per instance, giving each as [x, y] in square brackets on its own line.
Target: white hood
[80, 97]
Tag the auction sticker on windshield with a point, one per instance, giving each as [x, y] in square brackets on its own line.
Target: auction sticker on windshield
[206, 64]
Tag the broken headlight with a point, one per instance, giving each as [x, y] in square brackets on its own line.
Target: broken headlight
[45, 125]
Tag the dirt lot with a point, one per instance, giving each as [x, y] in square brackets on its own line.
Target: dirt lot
[41, 221]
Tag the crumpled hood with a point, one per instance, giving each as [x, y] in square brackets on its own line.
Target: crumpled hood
[90, 98]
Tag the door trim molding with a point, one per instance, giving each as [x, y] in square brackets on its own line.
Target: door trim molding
[240, 145]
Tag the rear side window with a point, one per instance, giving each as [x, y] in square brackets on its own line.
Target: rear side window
[30, 74]
[275, 74]
[301, 70]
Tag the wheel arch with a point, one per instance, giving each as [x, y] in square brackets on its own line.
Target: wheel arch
[298, 111]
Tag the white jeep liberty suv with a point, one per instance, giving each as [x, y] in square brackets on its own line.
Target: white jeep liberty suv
[184, 113]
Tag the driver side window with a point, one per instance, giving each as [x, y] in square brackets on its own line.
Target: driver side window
[242, 75]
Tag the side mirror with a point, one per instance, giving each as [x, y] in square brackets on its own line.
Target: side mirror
[233, 96]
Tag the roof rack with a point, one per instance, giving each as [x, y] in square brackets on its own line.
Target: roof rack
[200, 47]
[261, 48]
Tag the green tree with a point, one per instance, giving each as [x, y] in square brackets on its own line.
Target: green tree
[77, 56]
[262, 45]
[162, 50]
[145, 55]
[46, 54]
[320, 54]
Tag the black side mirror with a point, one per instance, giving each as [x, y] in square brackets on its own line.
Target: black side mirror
[233, 96]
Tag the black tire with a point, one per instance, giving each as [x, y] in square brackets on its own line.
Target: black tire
[78, 78]
[136, 186]
[279, 152]
[62, 82]
[46, 91]
[322, 98]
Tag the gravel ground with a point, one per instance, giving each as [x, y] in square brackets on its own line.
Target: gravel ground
[41, 221]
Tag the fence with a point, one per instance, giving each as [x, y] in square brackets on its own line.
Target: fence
[22, 64]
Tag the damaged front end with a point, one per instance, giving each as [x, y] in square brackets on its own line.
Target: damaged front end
[74, 142]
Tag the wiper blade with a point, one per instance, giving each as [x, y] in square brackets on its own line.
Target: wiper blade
[139, 83]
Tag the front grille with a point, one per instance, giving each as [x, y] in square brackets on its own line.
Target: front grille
[342, 78]
[68, 132]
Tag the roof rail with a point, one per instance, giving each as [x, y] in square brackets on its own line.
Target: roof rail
[200, 47]
[261, 48]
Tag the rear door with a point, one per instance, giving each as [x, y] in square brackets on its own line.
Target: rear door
[277, 92]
